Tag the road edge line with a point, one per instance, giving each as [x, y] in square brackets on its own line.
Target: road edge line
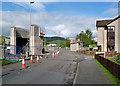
[76, 74]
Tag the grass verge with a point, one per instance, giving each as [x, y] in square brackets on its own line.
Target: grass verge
[111, 59]
[5, 62]
[111, 77]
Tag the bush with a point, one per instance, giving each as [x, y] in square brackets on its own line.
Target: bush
[117, 58]
[87, 50]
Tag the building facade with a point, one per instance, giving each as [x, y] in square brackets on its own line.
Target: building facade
[74, 45]
[108, 34]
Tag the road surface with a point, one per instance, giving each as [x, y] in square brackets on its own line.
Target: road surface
[66, 68]
[58, 70]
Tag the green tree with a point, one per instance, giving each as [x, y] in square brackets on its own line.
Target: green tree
[67, 43]
[86, 37]
[2, 40]
[45, 42]
[62, 44]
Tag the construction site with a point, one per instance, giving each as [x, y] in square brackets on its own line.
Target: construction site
[24, 42]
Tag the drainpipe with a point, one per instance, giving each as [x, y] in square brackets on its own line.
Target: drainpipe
[107, 38]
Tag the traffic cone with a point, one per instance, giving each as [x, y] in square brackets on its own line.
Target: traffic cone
[53, 55]
[31, 60]
[57, 52]
[23, 62]
[37, 58]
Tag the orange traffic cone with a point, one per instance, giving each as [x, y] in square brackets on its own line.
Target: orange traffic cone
[37, 58]
[53, 55]
[23, 62]
[57, 52]
[31, 60]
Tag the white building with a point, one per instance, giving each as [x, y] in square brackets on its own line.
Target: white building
[74, 45]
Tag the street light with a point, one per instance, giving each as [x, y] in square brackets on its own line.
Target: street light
[27, 53]
[30, 12]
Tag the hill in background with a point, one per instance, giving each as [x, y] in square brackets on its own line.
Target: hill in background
[51, 39]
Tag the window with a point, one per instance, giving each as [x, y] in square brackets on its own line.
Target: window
[111, 29]
[112, 37]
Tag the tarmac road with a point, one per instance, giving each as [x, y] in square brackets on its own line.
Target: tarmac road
[58, 70]
[66, 68]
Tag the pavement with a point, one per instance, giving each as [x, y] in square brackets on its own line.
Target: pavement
[88, 72]
[66, 68]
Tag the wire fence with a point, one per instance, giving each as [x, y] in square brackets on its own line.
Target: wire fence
[14, 53]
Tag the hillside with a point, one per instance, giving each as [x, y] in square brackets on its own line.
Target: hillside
[50, 39]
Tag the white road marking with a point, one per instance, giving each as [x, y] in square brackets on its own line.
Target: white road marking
[76, 74]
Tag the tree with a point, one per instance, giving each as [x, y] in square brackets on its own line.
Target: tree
[45, 42]
[86, 37]
[67, 43]
[2, 40]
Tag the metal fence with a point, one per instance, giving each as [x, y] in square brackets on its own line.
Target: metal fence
[9, 53]
[14, 53]
[113, 67]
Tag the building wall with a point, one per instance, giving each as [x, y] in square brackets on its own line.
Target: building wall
[36, 42]
[74, 47]
[12, 40]
[117, 34]
[105, 41]
[16, 32]
[101, 37]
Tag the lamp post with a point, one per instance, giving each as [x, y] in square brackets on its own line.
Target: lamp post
[27, 53]
[30, 12]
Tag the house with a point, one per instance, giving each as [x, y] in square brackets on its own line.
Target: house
[108, 34]
[74, 45]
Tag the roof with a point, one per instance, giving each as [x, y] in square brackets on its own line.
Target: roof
[114, 20]
[73, 41]
[20, 32]
[102, 23]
